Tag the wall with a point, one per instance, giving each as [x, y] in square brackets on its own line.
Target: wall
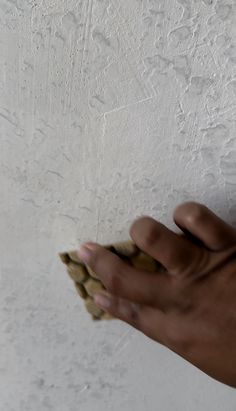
[108, 110]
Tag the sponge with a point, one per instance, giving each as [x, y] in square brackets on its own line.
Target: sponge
[87, 282]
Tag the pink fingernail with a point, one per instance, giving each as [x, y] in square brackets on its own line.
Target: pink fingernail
[102, 301]
[90, 245]
[85, 253]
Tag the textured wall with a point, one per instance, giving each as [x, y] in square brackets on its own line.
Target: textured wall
[108, 109]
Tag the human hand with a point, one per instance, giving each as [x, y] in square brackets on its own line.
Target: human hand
[190, 307]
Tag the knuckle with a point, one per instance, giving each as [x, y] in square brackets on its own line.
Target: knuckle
[134, 318]
[114, 283]
[150, 236]
[130, 313]
[147, 233]
[97, 257]
[137, 225]
[192, 212]
[176, 339]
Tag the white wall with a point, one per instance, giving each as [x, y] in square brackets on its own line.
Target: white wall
[108, 109]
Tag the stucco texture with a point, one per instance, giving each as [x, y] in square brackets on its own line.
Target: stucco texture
[109, 109]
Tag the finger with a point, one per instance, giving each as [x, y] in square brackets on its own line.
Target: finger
[201, 222]
[175, 253]
[123, 280]
[146, 319]
[120, 308]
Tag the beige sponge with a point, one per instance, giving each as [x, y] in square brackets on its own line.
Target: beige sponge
[86, 281]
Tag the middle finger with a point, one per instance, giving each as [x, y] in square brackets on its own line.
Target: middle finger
[176, 253]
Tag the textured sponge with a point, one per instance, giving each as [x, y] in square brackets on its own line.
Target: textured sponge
[86, 281]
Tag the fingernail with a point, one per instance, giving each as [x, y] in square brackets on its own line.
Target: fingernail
[102, 301]
[90, 245]
[85, 253]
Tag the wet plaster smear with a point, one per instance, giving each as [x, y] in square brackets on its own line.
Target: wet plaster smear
[108, 109]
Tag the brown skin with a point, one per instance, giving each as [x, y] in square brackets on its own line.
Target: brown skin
[190, 307]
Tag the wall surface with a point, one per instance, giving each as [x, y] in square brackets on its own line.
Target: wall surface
[108, 110]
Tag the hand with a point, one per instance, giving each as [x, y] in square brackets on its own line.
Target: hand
[190, 307]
